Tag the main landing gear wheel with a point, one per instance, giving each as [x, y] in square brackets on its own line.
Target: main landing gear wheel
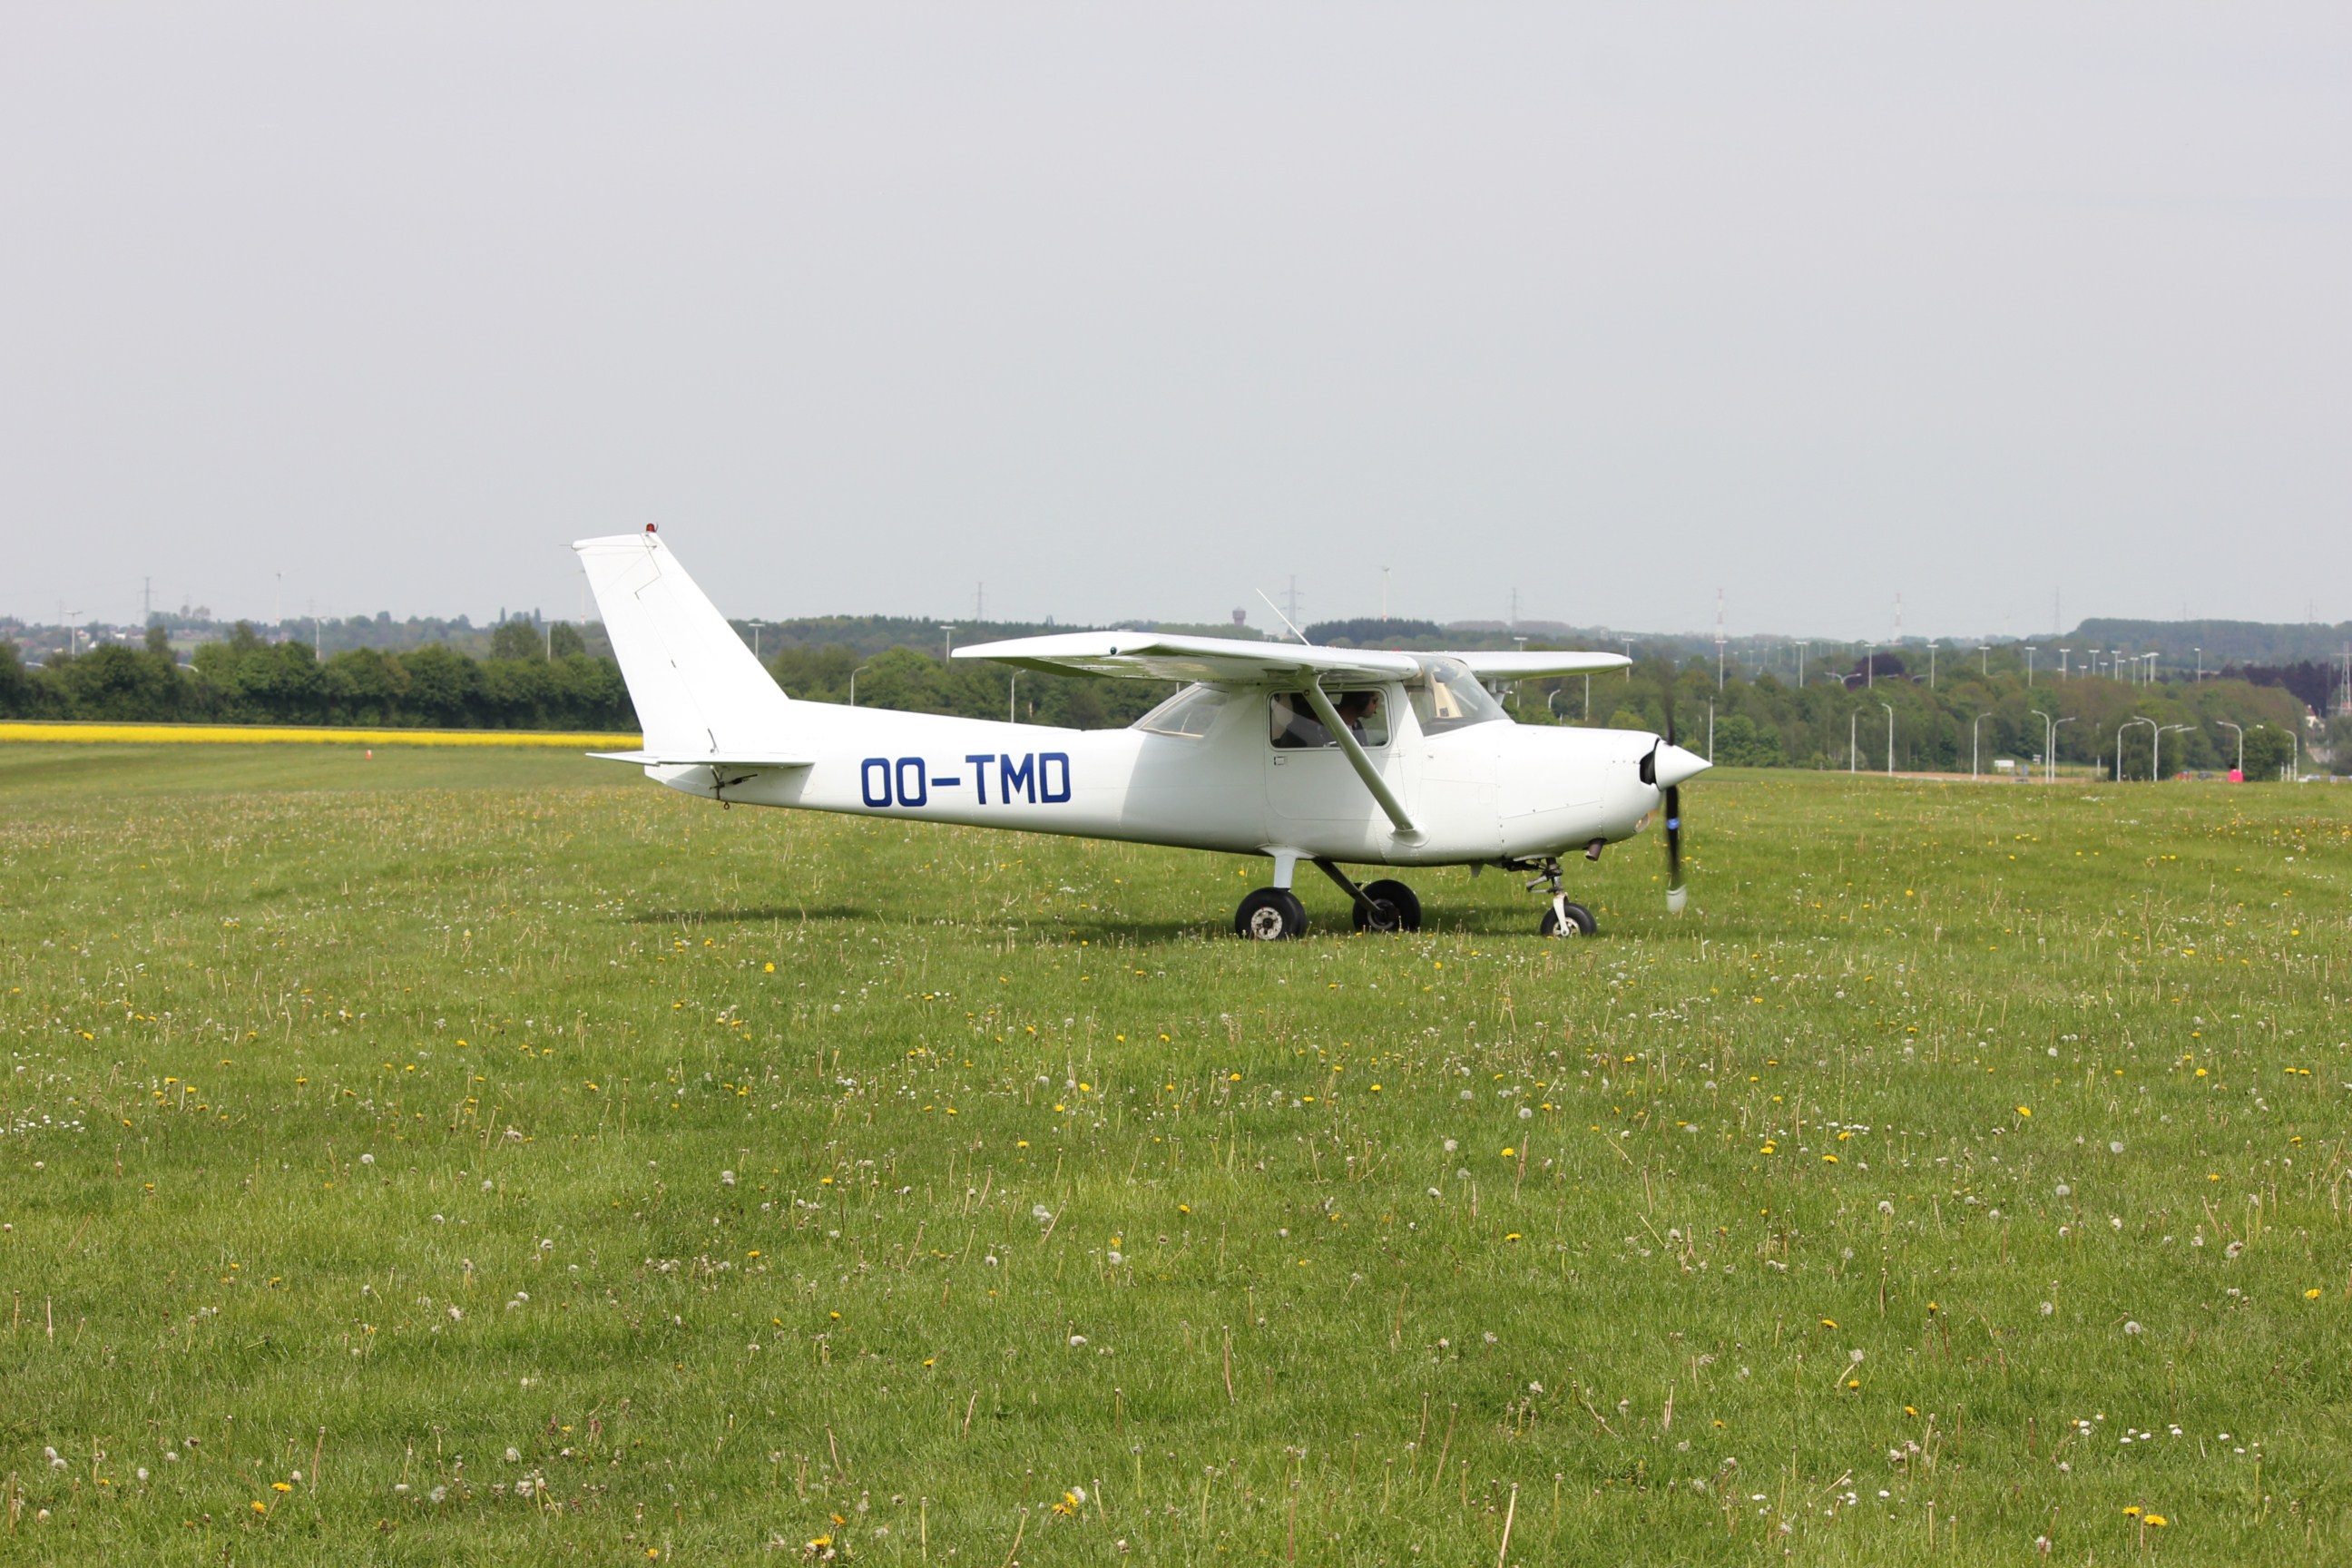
[1566, 919]
[1270, 914]
[1388, 906]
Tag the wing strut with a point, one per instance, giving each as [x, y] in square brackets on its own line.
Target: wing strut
[1337, 728]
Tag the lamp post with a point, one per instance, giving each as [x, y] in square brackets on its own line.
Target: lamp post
[2028, 665]
[1870, 667]
[1890, 738]
[2049, 746]
[2049, 770]
[2240, 768]
[2062, 661]
[1801, 646]
[1931, 667]
[1979, 719]
[2156, 774]
[1852, 741]
[947, 642]
[1012, 687]
[852, 682]
[2126, 724]
[755, 626]
[1984, 659]
[2200, 668]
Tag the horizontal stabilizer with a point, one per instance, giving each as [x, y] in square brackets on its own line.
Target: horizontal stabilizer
[680, 760]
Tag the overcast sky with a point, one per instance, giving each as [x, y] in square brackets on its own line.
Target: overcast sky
[1130, 312]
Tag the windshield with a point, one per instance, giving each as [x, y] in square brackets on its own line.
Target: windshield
[1446, 696]
[1190, 713]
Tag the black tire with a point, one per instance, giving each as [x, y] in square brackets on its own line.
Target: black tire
[1580, 921]
[1392, 908]
[1270, 914]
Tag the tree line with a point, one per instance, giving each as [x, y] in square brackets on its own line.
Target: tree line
[544, 677]
[1839, 719]
[534, 678]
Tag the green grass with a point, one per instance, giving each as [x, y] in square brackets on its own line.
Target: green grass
[306, 1051]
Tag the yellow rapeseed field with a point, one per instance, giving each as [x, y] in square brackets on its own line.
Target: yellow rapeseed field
[288, 735]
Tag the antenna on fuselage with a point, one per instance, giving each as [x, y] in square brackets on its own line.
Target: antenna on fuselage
[1283, 618]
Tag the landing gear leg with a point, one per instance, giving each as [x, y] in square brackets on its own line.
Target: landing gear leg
[1565, 916]
[1382, 906]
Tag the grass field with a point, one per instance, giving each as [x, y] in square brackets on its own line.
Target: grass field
[487, 1156]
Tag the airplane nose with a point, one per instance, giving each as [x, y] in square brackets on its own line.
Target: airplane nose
[1674, 765]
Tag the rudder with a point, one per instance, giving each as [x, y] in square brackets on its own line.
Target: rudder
[696, 687]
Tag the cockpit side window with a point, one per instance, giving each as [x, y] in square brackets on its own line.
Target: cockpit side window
[1292, 726]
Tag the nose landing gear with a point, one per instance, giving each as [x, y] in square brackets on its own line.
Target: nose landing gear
[1565, 916]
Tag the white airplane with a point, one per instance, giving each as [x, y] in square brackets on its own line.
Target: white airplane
[1323, 755]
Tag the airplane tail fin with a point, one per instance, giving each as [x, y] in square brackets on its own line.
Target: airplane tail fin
[697, 689]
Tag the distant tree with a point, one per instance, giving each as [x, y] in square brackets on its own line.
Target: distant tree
[366, 686]
[564, 640]
[1372, 631]
[517, 639]
[117, 683]
[2269, 750]
[1741, 742]
[16, 692]
[442, 684]
[159, 640]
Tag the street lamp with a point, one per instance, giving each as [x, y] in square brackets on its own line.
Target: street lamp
[2242, 744]
[1801, 646]
[755, 626]
[947, 642]
[1852, 741]
[2201, 667]
[1984, 659]
[1013, 694]
[2062, 661]
[2050, 767]
[2156, 774]
[852, 682]
[2126, 724]
[1972, 742]
[1890, 738]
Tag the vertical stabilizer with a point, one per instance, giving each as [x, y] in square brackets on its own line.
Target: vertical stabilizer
[697, 689]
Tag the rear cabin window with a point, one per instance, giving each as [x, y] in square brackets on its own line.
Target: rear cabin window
[1189, 713]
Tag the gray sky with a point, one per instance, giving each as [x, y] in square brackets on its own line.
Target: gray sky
[1128, 313]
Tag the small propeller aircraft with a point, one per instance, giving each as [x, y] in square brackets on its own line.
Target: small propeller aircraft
[1324, 755]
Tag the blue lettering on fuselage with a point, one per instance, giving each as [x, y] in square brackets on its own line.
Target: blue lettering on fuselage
[1036, 777]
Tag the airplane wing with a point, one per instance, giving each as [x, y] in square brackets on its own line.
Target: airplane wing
[1488, 666]
[1219, 661]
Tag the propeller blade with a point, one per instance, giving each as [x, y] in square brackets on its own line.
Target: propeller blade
[1677, 894]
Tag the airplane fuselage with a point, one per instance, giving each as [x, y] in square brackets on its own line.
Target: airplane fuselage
[1484, 792]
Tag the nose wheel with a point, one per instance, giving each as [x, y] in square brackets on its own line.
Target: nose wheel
[1564, 917]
